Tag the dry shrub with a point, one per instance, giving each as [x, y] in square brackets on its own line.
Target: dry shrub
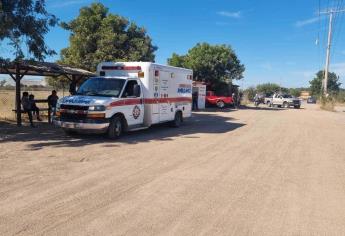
[327, 103]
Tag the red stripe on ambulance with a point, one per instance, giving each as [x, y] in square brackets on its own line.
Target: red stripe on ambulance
[128, 102]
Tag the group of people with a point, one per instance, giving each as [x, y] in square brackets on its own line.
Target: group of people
[30, 107]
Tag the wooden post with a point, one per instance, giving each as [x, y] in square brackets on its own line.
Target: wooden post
[18, 102]
[49, 115]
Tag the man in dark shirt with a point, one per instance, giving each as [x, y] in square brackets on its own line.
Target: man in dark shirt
[33, 107]
[195, 96]
[52, 101]
[27, 106]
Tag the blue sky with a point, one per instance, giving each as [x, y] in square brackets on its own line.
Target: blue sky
[274, 39]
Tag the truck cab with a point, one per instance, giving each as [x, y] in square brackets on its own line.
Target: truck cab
[284, 100]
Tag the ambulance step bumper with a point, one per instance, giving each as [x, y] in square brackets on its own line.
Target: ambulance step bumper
[82, 126]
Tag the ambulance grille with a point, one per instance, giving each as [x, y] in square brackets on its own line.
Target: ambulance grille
[74, 107]
[72, 117]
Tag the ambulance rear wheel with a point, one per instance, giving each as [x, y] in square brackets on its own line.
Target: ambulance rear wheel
[115, 128]
[177, 120]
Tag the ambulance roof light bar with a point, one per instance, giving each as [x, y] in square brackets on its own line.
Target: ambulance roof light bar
[121, 67]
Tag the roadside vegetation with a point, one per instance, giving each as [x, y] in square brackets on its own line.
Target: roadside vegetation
[215, 65]
[336, 94]
[268, 89]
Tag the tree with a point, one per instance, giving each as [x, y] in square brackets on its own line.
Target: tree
[97, 35]
[268, 88]
[60, 82]
[24, 23]
[333, 84]
[2, 83]
[296, 92]
[177, 60]
[213, 64]
[249, 93]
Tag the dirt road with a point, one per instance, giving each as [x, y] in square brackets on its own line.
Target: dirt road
[246, 172]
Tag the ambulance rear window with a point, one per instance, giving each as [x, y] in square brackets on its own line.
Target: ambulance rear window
[101, 87]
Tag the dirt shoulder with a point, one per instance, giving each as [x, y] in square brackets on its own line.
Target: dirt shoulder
[251, 171]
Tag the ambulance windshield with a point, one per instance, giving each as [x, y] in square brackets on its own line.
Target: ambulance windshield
[101, 87]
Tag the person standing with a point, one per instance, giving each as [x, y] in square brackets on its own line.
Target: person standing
[240, 97]
[33, 107]
[52, 102]
[195, 96]
[27, 107]
[234, 100]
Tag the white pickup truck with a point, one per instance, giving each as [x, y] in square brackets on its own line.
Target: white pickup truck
[283, 100]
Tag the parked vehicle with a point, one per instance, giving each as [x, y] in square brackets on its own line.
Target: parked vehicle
[267, 100]
[127, 96]
[257, 103]
[219, 101]
[284, 100]
[259, 98]
[311, 100]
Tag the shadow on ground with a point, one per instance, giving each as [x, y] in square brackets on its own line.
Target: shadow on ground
[46, 135]
[262, 108]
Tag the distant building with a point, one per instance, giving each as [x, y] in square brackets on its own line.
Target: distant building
[304, 95]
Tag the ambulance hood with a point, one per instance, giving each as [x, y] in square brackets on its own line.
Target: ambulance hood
[87, 100]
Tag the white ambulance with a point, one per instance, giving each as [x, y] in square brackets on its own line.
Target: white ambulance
[127, 96]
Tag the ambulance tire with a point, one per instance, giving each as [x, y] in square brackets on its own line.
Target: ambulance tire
[177, 120]
[116, 127]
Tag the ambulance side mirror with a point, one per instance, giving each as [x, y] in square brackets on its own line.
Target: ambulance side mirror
[136, 90]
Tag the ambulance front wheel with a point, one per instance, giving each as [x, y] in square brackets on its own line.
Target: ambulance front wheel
[116, 126]
[177, 120]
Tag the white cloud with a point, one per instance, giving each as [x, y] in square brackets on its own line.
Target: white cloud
[266, 66]
[306, 22]
[236, 15]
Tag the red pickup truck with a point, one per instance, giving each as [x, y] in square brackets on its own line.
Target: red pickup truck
[219, 101]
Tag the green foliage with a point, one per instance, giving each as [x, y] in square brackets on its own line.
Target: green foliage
[97, 35]
[24, 23]
[177, 60]
[214, 64]
[333, 84]
[268, 88]
[57, 83]
[249, 93]
[296, 92]
[340, 97]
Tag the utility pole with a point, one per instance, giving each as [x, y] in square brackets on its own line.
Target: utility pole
[329, 42]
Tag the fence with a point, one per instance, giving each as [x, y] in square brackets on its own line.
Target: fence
[7, 102]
